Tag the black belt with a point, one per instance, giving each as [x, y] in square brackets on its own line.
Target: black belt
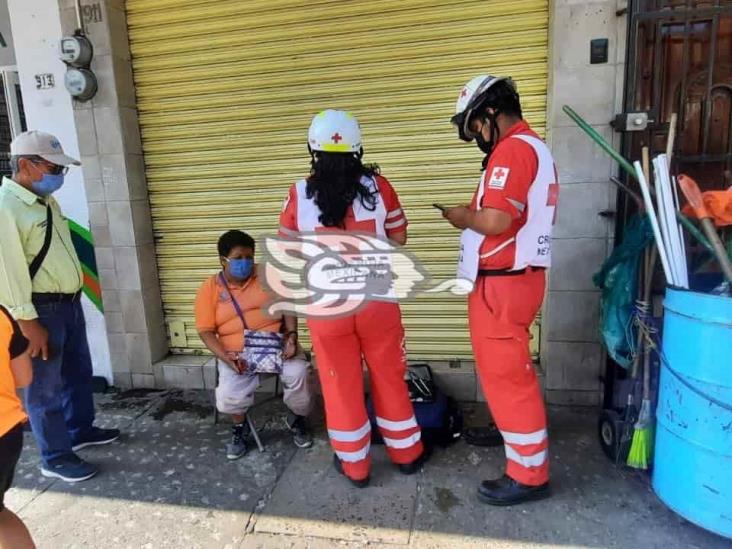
[506, 272]
[55, 298]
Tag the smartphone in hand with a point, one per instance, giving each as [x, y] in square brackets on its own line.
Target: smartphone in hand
[439, 207]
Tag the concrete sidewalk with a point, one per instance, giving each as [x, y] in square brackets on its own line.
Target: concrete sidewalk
[167, 484]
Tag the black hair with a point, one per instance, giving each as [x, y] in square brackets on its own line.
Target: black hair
[335, 182]
[502, 97]
[231, 239]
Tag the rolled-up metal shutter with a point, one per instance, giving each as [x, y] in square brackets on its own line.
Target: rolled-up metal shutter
[226, 90]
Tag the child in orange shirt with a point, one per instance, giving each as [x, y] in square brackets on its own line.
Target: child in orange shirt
[15, 371]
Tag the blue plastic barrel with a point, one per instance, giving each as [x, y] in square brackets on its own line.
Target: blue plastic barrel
[692, 471]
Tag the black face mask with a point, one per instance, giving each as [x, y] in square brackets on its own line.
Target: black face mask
[487, 146]
[483, 145]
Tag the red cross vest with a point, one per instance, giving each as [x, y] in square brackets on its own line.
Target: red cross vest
[387, 216]
[533, 240]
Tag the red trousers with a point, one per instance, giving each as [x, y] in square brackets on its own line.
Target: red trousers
[501, 310]
[376, 334]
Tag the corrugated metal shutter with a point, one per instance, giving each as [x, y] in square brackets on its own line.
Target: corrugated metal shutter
[226, 91]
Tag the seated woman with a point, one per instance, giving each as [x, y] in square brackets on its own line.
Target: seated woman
[222, 330]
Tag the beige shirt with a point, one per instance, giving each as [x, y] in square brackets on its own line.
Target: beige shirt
[22, 232]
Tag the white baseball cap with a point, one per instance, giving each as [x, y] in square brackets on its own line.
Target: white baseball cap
[45, 145]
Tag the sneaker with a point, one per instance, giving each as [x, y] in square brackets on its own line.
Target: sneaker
[417, 464]
[302, 436]
[506, 491]
[72, 469]
[338, 466]
[97, 437]
[237, 446]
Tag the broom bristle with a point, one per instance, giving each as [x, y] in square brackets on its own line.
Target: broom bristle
[641, 449]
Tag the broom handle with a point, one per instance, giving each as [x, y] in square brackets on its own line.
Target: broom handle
[719, 251]
[644, 275]
[647, 347]
[646, 157]
[671, 138]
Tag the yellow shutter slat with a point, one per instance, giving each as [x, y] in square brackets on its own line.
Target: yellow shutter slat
[226, 91]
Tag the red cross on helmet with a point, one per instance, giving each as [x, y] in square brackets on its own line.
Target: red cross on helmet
[334, 131]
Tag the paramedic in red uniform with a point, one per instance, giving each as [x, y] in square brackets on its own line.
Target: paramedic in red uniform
[504, 254]
[343, 194]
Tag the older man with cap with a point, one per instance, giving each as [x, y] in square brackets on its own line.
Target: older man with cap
[40, 284]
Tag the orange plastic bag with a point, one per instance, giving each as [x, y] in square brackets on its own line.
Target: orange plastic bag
[719, 206]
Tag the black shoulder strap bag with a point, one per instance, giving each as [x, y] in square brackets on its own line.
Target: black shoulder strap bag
[38, 260]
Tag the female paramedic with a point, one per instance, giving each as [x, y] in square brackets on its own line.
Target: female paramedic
[343, 194]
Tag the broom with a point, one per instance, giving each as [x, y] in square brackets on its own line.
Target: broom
[641, 447]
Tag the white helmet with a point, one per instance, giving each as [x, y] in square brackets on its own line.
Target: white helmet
[334, 131]
[470, 98]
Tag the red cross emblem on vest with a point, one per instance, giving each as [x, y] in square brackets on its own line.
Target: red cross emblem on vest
[464, 92]
[336, 138]
[498, 178]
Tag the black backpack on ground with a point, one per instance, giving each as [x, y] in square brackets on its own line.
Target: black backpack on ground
[438, 415]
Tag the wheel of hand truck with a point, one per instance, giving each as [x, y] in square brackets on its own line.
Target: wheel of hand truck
[609, 427]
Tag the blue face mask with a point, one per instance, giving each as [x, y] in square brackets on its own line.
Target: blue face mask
[48, 184]
[241, 269]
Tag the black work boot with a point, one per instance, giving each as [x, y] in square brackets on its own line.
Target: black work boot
[417, 464]
[363, 483]
[506, 491]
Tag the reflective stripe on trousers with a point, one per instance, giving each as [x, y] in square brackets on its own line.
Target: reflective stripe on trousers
[501, 310]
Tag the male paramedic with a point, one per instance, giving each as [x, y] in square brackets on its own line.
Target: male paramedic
[504, 254]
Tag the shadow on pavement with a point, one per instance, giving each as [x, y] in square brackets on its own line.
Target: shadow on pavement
[167, 483]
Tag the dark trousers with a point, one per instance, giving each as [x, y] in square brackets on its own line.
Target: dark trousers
[59, 402]
[11, 444]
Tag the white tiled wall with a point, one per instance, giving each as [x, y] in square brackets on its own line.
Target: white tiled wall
[572, 355]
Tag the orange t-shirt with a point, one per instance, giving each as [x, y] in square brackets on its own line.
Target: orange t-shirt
[215, 313]
[12, 345]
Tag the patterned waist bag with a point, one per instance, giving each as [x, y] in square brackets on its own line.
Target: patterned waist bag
[262, 350]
